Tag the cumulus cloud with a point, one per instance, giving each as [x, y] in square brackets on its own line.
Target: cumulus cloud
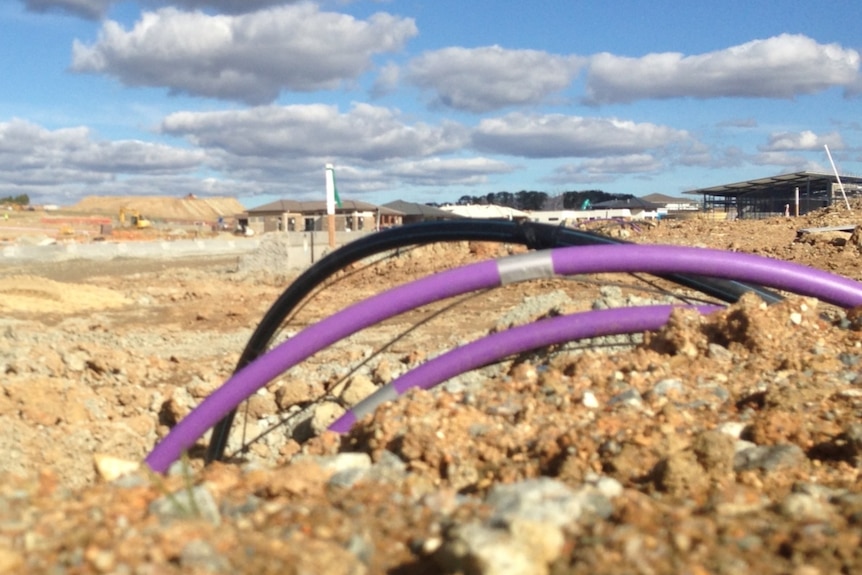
[490, 78]
[89, 9]
[452, 171]
[779, 67]
[595, 170]
[801, 141]
[223, 6]
[386, 81]
[738, 123]
[786, 162]
[96, 9]
[35, 156]
[557, 136]
[365, 133]
[248, 58]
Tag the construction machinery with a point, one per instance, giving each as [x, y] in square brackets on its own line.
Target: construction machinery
[135, 219]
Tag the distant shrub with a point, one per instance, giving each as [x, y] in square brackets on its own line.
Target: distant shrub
[21, 200]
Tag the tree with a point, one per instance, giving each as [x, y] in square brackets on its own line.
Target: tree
[21, 200]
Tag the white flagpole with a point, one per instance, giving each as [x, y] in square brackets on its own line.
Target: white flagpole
[837, 177]
[330, 203]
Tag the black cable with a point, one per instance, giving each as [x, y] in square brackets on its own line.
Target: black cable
[533, 235]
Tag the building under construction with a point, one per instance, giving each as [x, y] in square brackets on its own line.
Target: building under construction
[793, 194]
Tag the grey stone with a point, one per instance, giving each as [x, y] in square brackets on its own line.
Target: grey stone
[804, 507]
[630, 397]
[474, 548]
[769, 458]
[665, 386]
[199, 555]
[194, 502]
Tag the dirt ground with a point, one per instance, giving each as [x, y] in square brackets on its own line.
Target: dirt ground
[728, 443]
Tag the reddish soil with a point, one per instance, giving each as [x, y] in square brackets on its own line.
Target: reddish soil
[727, 443]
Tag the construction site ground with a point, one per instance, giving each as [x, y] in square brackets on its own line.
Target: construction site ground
[730, 443]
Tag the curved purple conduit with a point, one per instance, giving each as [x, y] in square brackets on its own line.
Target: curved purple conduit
[778, 274]
[515, 340]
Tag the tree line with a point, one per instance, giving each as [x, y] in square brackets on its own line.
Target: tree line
[534, 200]
[21, 200]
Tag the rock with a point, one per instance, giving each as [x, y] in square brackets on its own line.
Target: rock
[110, 468]
[75, 361]
[194, 502]
[769, 458]
[589, 400]
[680, 474]
[295, 391]
[542, 499]
[475, 549]
[714, 451]
[383, 372]
[260, 404]
[630, 398]
[324, 414]
[201, 556]
[667, 386]
[853, 436]
[732, 428]
[358, 388]
[804, 507]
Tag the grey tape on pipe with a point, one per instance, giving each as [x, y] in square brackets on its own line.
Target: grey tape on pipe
[364, 407]
[529, 266]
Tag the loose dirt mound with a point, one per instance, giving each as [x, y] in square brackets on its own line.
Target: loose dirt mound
[29, 294]
[728, 443]
[162, 207]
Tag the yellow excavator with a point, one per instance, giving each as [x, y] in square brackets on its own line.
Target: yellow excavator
[135, 219]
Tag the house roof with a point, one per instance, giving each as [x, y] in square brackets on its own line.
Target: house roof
[414, 209]
[487, 212]
[631, 203]
[665, 199]
[319, 206]
[777, 184]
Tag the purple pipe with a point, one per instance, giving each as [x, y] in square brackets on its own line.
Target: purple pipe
[311, 340]
[572, 260]
[515, 340]
[654, 259]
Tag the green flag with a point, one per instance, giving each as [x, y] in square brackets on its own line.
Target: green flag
[335, 188]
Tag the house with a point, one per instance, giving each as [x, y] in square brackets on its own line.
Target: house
[797, 193]
[309, 216]
[487, 212]
[671, 203]
[413, 212]
[639, 207]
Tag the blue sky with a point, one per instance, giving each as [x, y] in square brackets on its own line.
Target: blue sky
[422, 101]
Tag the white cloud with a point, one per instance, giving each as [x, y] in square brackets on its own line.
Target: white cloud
[452, 171]
[248, 58]
[785, 162]
[490, 78]
[556, 136]
[706, 157]
[738, 123]
[595, 170]
[386, 81]
[223, 6]
[34, 157]
[779, 67]
[366, 133]
[96, 9]
[89, 9]
[801, 141]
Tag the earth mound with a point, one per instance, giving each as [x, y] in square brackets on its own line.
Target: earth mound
[162, 207]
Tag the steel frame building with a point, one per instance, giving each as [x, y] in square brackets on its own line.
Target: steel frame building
[797, 193]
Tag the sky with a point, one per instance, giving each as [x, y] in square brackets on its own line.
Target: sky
[421, 101]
